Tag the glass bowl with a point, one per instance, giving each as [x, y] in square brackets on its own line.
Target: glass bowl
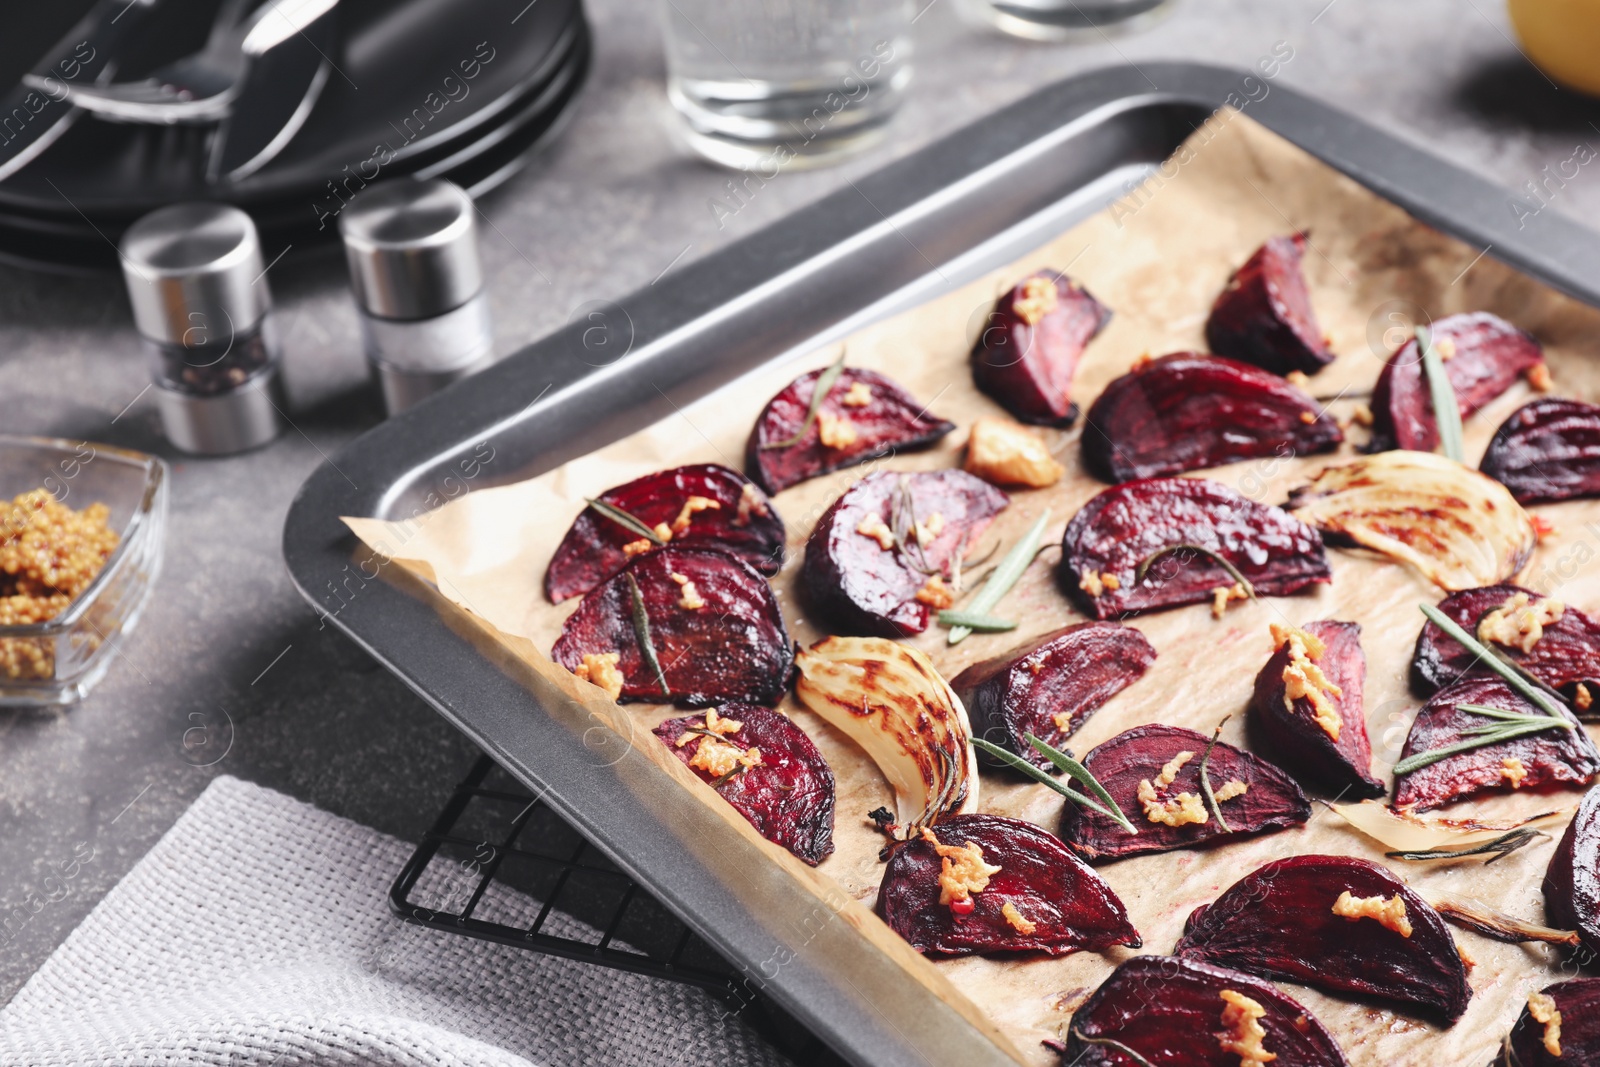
[59, 661]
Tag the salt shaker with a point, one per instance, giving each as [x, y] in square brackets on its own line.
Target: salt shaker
[200, 301]
[412, 249]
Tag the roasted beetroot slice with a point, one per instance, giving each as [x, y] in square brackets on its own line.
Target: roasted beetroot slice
[1485, 353]
[787, 796]
[1289, 731]
[1572, 881]
[1169, 1011]
[1046, 886]
[1186, 411]
[1030, 346]
[864, 415]
[1566, 655]
[868, 584]
[733, 647]
[1264, 315]
[1132, 522]
[1549, 758]
[1547, 451]
[1578, 1001]
[1271, 800]
[1279, 922]
[1049, 686]
[703, 505]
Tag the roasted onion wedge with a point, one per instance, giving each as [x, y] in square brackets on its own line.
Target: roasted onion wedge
[1172, 812]
[881, 560]
[703, 505]
[889, 699]
[1548, 450]
[1157, 541]
[1459, 528]
[766, 767]
[1018, 889]
[863, 415]
[1320, 737]
[1572, 881]
[1029, 348]
[1049, 686]
[715, 636]
[1561, 652]
[1186, 411]
[1264, 315]
[1343, 925]
[1483, 354]
[1559, 1026]
[1553, 757]
[1175, 1012]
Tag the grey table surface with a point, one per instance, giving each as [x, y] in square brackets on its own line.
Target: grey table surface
[228, 648]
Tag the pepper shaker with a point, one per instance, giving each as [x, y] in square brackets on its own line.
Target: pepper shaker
[201, 304]
[412, 250]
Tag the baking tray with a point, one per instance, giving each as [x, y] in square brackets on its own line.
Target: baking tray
[972, 201]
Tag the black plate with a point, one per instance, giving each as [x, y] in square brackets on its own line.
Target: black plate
[975, 200]
[375, 120]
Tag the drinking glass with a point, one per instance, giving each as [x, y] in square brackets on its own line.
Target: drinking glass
[1067, 20]
[764, 85]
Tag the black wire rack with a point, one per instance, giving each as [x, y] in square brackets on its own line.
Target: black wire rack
[500, 865]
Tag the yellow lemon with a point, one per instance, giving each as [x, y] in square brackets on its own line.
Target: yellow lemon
[1563, 38]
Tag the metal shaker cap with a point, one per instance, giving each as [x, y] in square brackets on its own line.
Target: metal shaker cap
[412, 248]
[194, 271]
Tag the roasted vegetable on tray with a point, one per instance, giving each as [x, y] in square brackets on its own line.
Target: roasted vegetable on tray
[1264, 315]
[1029, 348]
[1547, 451]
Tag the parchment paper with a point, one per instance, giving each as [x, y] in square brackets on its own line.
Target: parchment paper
[1158, 258]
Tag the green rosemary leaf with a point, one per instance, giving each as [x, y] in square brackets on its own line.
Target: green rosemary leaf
[1218, 558]
[1509, 733]
[1205, 778]
[1005, 575]
[819, 393]
[1501, 846]
[641, 633]
[1500, 714]
[1446, 410]
[1081, 773]
[1017, 763]
[622, 518]
[983, 624]
[1505, 670]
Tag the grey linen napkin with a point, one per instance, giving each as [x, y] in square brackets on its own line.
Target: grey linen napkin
[257, 932]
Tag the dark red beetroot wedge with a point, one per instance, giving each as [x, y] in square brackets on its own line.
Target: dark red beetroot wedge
[1548, 450]
[703, 505]
[1483, 355]
[864, 415]
[1251, 793]
[733, 646]
[1572, 881]
[785, 791]
[1042, 898]
[1264, 315]
[1565, 654]
[1049, 686]
[1297, 734]
[1186, 411]
[1030, 346]
[1548, 758]
[1570, 1039]
[1155, 520]
[867, 571]
[1279, 922]
[1173, 1012]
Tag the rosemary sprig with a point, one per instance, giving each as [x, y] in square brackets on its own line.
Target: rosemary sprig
[641, 633]
[1017, 763]
[1501, 847]
[983, 624]
[1115, 1045]
[1505, 670]
[903, 526]
[819, 393]
[1216, 557]
[1446, 410]
[1205, 778]
[1005, 575]
[622, 518]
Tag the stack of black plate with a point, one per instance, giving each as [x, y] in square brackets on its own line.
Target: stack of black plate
[458, 89]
